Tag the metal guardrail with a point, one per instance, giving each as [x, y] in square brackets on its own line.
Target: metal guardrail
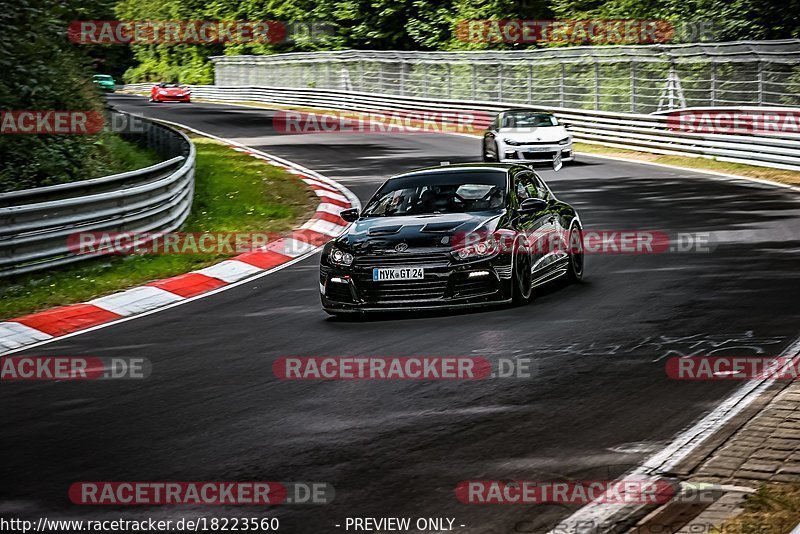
[633, 131]
[35, 224]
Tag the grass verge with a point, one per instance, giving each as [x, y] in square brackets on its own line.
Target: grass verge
[695, 164]
[773, 509]
[234, 192]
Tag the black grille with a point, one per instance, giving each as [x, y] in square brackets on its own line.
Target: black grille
[538, 155]
[474, 287]
[402, 290]
[338, 292]
[536, 143]
[402, 259]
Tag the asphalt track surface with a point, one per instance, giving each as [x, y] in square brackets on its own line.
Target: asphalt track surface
[598, 404]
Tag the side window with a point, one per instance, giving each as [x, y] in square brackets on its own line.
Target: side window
[541, 189]
[526, 182]
[525, 187]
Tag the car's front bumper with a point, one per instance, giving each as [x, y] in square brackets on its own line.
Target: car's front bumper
[446, 285]
[541, 154]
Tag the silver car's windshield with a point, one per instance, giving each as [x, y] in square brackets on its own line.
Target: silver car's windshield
[527, 119]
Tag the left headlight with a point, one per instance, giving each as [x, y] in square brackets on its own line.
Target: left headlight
[511, 142]
[337, 257]
[565, 141]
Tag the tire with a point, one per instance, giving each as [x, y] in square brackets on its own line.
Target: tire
[575, 267]
[522, 279]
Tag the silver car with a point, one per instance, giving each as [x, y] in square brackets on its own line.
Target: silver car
[525, 135]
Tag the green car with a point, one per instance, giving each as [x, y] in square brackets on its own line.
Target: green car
[104, 82]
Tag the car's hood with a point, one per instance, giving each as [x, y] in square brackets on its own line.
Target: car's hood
[535, 135]
[376, 234]
[174, 90]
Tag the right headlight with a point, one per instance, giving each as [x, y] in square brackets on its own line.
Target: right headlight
[338, 257]
[484, 248]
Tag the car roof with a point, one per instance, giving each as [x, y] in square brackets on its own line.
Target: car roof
[461, 167]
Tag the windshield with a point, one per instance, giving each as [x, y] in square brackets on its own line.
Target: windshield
[168, 85]
[527, 119]
[439, 193]
[103, 78]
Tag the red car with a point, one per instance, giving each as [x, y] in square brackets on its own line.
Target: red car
[170, 92]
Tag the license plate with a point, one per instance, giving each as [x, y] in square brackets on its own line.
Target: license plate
[540, 149]
[397, 273]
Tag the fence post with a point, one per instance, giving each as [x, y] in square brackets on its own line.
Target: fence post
[424, 80]
[449, 82]
[713, 83]
[474, 83]
[403, 77]
[530, 83]
[596, 85]
[500, 76]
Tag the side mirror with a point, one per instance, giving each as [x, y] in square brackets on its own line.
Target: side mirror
[350, 215]
[532, 205]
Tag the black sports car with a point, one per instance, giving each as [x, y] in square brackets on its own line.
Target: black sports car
[451, 236]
